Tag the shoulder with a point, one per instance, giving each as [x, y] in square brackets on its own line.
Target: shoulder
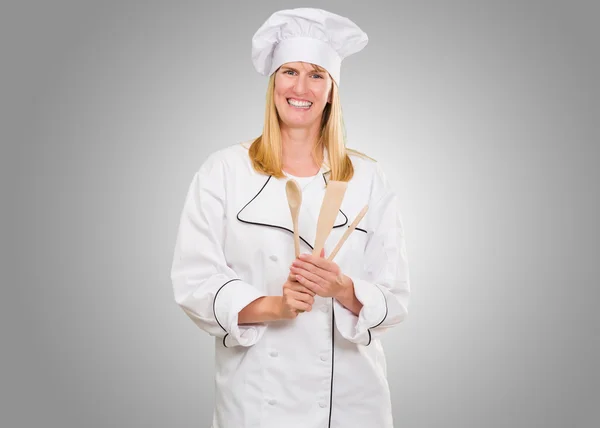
[365, 166]
[370, 173]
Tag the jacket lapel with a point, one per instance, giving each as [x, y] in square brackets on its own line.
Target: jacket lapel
[269, 208]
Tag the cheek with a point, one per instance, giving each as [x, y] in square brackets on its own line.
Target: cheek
[321, 94]
[281, 85]
[278, 94]
[280, 102]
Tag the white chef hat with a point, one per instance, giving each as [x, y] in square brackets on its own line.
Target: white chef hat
[307, 35]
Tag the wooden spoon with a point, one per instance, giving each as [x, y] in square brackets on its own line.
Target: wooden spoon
[294, 197]
[347, 233]
[334, 194]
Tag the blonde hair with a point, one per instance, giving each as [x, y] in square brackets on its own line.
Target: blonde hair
[266, 150]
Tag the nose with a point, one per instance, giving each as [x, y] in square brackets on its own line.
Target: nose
[300, 86]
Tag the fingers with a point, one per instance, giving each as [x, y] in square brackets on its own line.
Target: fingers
[301, 268]
[311, 285]
[313, 277]
[302, 289]
[299, 303]
[302, 296]
[300, 306]
[293, 284]
[310, 262]
[297, 297]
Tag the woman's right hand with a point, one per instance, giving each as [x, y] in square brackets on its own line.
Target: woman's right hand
[296, 299]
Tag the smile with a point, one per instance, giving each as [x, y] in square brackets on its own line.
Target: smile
[299, 104]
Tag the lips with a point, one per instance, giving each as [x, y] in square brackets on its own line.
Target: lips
[300, 104]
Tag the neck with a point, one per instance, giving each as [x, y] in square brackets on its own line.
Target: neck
[297, 146]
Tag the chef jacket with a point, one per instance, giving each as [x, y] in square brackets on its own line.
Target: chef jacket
[326, 368]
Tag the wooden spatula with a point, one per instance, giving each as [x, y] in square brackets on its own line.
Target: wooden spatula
[334, 194]
[347, 233]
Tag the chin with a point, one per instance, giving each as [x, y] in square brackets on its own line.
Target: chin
[297, 123]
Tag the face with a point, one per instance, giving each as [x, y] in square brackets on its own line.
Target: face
[301, 94]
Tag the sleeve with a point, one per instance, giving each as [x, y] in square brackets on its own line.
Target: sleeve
[383, 284]
[205, 287]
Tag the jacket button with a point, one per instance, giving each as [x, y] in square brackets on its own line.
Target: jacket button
[272, 401]
[273, 257]
[322, 404]
[323, 358]
[273, 353]
[324, 308]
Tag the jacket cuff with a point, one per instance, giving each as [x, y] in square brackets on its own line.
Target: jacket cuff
[373, 313]
[230, 299]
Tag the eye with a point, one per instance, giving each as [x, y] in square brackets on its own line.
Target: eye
[288, 71]
[318, 76]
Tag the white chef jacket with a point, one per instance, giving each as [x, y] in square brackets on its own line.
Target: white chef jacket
[326, 368]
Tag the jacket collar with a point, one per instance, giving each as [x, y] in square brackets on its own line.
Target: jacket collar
[269, 207]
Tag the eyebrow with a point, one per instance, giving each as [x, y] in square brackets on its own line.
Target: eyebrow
[314, 70]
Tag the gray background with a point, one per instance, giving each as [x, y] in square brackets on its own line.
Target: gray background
[485, 116]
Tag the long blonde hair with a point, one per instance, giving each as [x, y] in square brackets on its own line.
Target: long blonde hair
[266, 150]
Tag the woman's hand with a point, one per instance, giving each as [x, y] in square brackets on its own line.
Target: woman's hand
[322, 277]
[296, 298]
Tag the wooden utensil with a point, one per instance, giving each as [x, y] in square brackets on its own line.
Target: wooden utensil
[334, 194]
[294, 197]
[347, 233]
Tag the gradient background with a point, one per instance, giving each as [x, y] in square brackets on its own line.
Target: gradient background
[485, 115]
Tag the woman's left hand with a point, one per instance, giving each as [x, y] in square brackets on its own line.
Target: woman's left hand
[321, 276]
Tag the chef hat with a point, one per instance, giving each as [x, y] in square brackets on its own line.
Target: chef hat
[308, 35]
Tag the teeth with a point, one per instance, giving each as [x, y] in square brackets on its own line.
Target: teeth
[299, 103]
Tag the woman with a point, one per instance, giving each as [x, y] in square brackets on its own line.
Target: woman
[296, 340]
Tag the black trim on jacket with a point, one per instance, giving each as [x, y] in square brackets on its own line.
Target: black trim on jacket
[281, 227]
[215, 313]
[384, 317]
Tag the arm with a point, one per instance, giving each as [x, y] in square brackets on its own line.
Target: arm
[348, 298]
[205, 287]
[261, 310]
[383, 289]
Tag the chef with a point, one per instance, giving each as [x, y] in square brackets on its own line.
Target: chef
[297, 339]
